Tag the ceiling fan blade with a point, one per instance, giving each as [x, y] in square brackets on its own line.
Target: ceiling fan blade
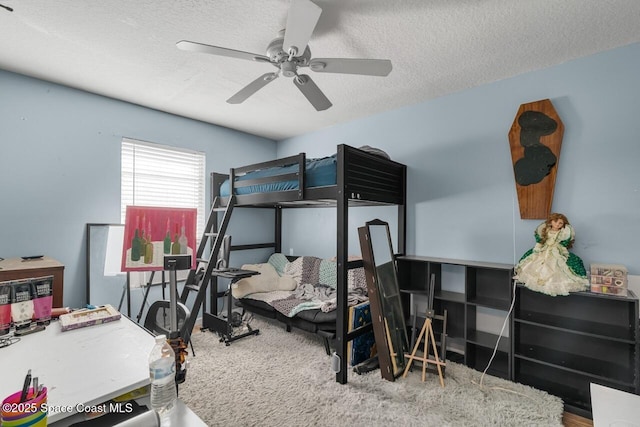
[367, 67]
[301, 21]
[252, 88]
[312, 92]
[221, 51]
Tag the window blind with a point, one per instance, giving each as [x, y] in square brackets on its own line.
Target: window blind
[162, 176]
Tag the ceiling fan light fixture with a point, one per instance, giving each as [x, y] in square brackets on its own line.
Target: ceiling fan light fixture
[289, 68]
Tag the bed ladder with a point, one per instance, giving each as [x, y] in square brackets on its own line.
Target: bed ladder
[199, 278]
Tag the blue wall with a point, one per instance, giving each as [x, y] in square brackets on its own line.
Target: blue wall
[461, 190]
[60, 165]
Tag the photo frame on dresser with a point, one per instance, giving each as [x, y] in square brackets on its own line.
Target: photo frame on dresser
[389, 326]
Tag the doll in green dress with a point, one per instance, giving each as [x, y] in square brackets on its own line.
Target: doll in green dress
[549, 267]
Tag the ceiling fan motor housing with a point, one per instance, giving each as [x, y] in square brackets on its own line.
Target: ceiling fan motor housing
[278, 55]
[289, 68]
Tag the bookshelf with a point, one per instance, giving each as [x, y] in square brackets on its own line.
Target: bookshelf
[467, 290]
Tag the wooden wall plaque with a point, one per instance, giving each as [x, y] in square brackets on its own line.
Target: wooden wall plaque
[535, 139]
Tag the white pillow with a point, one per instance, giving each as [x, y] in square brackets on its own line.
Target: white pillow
[268, 280]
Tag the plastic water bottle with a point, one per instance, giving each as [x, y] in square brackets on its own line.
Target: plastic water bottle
[162, 372]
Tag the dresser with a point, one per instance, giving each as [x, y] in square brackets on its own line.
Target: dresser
[17, 268]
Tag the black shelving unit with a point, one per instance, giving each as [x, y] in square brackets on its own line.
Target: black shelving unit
[486, 285]
[562, 344]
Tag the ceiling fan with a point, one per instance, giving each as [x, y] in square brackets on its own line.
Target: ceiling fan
[289, 52]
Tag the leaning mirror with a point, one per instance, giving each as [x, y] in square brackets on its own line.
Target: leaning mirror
[389, 326]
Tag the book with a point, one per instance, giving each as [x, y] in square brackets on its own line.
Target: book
[363, 347]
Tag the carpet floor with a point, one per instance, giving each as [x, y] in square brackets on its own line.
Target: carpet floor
[284, 379]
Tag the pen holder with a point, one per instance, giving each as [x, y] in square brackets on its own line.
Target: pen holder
[32, 412]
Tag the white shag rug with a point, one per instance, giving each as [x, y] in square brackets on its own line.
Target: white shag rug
[285, 379]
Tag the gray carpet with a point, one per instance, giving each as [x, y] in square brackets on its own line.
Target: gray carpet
[284, 379]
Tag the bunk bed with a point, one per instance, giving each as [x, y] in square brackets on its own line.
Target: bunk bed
[352, 177]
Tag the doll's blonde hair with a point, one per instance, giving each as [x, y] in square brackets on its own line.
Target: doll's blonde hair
[547, 225]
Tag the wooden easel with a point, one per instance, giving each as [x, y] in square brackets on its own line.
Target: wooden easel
[392, 352]
[427, 333]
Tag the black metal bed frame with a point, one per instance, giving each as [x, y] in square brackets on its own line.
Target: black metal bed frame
[362, 179]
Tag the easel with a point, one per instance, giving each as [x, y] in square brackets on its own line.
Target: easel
[427, 333]
[126, 291]
[146, 292]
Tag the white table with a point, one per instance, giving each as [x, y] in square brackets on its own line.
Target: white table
[80, 367]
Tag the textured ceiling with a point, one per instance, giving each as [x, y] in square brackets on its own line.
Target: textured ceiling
[127, 50]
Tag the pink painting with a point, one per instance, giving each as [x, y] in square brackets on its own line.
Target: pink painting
[151, 233]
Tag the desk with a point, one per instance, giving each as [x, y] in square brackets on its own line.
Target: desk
[82, 366]
[17, 268]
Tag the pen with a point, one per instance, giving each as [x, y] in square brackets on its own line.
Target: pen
[35, 387]
[25, 387]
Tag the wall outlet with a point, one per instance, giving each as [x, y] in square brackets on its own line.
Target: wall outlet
[291, 251]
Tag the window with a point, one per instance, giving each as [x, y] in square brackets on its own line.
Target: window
[158, 175]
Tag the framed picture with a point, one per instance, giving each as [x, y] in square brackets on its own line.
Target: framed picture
[362, 347]
[150, 233]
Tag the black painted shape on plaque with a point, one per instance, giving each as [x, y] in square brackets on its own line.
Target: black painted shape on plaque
[538, 158]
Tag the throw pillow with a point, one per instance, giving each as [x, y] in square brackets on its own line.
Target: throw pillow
[267, 281]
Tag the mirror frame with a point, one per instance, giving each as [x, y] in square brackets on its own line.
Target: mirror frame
[387, 315]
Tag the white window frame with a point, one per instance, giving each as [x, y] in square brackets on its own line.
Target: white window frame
[162, 176]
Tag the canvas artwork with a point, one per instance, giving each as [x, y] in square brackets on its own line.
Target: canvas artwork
[363, 347]
[150, 233]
